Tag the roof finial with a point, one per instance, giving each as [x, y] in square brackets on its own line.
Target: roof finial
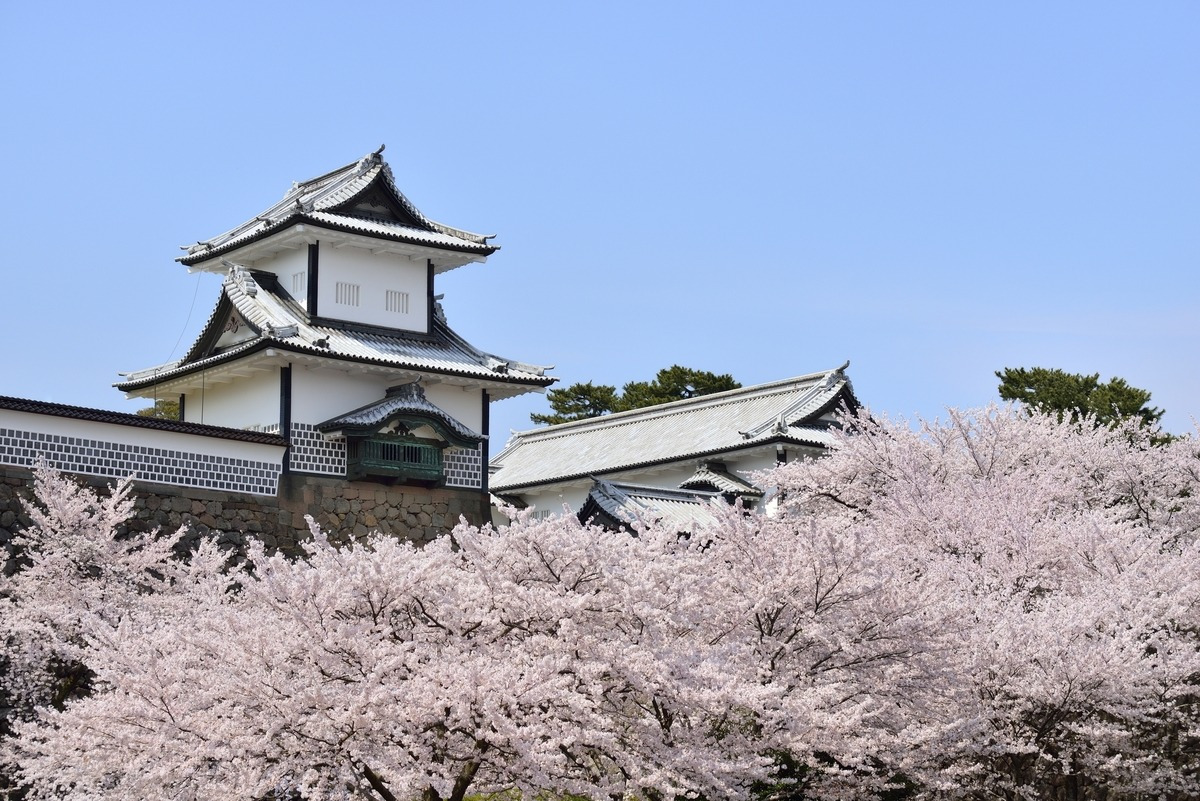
[377, 153]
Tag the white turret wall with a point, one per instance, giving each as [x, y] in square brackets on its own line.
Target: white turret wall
[359, 286]
[291, 268]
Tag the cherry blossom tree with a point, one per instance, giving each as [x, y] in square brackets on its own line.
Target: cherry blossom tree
[544, 656]
[78, 572]
[1062, 565]
[997, 606]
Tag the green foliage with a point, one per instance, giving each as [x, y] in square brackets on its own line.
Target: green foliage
[578, 402]
[582, 401]
[1072, 395]
[162, 409]
[671, 384]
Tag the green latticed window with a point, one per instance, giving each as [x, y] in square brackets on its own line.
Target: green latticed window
[394, 458]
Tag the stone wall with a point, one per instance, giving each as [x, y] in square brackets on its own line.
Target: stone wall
[345, 510]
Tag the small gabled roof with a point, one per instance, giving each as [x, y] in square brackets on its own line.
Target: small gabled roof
[790, 411]
[405, 402]
[619, 505]
[360, 198]
[268, 318]
[709, 475]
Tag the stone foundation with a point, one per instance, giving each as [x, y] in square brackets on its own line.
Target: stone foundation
[345, 510]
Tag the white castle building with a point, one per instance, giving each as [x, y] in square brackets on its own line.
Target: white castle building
[327, 381]
[326, 356]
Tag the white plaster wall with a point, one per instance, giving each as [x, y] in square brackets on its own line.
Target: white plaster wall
[374, 274]
[250, 401]
[285, 265]
[142, 437]
[319, 394]
[553, 501]
[464, 404]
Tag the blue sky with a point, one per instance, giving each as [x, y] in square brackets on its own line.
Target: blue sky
[932, 190]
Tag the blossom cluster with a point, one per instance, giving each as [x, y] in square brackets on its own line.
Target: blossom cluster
[997, 606]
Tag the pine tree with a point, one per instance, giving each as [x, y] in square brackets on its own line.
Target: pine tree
[1074, 395]
[585, 400]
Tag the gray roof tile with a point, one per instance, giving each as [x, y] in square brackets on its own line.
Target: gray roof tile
[724, 422]
[318, 199]
[681, 510]
[722, 480]
[283, 324]
[406, 398]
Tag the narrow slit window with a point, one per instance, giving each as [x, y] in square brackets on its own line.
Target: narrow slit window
[300, 284]
[397, 301]
[346, 294]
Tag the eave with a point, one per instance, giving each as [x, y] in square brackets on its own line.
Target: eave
[265, 354]
[301, 230]
[576, 479]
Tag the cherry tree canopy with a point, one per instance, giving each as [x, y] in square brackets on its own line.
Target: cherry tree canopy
[994, 607]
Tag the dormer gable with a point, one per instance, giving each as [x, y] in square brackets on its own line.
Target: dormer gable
[357, 202]
[377, 203]
[403, 411]
[402, 437]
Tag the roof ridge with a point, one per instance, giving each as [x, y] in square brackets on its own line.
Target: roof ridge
[663, 409]
[297, 184]
[673, 492]
[448, 230]
[324, 194]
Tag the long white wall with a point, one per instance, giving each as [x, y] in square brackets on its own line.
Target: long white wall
[116, 451]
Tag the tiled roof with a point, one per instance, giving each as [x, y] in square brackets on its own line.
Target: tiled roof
[137, 421]
[787, 411]
[321, 200]
[406, 398]
[722, 480]
[281, 324]
[682, 510]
